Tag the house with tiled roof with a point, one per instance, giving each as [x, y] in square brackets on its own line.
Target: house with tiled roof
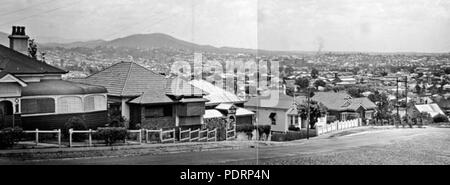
[33, 94]
[342, 106]
[221, 102]
[277, 110]
[144, 97]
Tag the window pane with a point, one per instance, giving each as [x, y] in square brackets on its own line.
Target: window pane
[69, 104]
[151, 112]
[94, 103]
[37, 105]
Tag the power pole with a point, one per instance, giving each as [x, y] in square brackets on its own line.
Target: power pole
[309, 110]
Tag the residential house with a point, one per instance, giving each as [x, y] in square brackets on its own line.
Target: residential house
[33, 94]
[281, 116]
[433, 109]
[148, 99]
[341, 106]
[221, 103]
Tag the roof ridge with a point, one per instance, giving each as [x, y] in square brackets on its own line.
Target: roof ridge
[126, 79]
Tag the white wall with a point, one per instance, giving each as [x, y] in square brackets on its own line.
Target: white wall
[262, 117]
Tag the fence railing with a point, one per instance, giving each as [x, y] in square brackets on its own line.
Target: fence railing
[169, 133]
[338, 125]
[37, 132]
[210, 132]
[139, 135]
[197, 137]
[231, 132]
[89, 132]
[185, 132]
[147, 134]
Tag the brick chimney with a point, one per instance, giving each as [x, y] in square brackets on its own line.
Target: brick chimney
[18, 40]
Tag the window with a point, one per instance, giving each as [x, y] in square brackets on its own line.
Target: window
[70, 104]
[272, 117]
[158, 111]
[37, 105]
[94, 103]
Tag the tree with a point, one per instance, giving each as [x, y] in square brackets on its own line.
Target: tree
[317, 110]
[355, 92]
[319, 82]
[303, 83]
[418, 89]
[447, 70]
[314, 73]
[32, 48]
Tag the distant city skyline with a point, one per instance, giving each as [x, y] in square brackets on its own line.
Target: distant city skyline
[285, 25]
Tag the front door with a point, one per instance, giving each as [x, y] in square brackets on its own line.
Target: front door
[6, 114]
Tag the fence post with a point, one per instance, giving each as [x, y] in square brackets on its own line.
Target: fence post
[70, 137]
[215, 135]
[160, 135]
[146, 135]
[59, 138]
[90, 137]
[140, 136]
[37, 136]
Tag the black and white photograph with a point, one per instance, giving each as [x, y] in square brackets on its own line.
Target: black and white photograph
[224, 82]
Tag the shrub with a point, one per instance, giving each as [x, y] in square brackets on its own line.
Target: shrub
[10, 136]
[440, 118]
[290, 135]
[111, 134]
[247, 129]
[118, 121]
[75, 123]
[293, 128]
[263, 129]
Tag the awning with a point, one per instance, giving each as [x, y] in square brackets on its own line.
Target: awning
[243, 112]
[60, 87]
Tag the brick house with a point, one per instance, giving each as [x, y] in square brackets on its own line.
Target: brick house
[144, 97]
[33, 94]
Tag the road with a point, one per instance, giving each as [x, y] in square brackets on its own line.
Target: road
[374, 146]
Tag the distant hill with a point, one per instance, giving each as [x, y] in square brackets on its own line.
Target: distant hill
[86, 44]
[158, 40]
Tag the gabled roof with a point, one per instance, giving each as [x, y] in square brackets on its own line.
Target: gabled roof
[433, 109]
[342, 101]
[15, 62]
[283, 102]
[216, 95]
[127, 79]
[8, 77]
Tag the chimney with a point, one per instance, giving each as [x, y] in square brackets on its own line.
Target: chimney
[18, 40]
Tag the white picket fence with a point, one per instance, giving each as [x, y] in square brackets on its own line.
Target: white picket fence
[37, 132]
[203, 135]
[338, 125]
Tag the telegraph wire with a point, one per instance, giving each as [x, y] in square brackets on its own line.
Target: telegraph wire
[34, 15]
[22, 9]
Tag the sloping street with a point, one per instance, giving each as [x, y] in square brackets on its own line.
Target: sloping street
[429, 145]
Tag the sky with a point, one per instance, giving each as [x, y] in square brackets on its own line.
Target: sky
[305, 25]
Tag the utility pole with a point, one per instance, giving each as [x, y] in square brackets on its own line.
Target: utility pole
[309, 110]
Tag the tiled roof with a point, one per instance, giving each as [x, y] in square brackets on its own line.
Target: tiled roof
[342, 101]
[127, 79]
[15, 62]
